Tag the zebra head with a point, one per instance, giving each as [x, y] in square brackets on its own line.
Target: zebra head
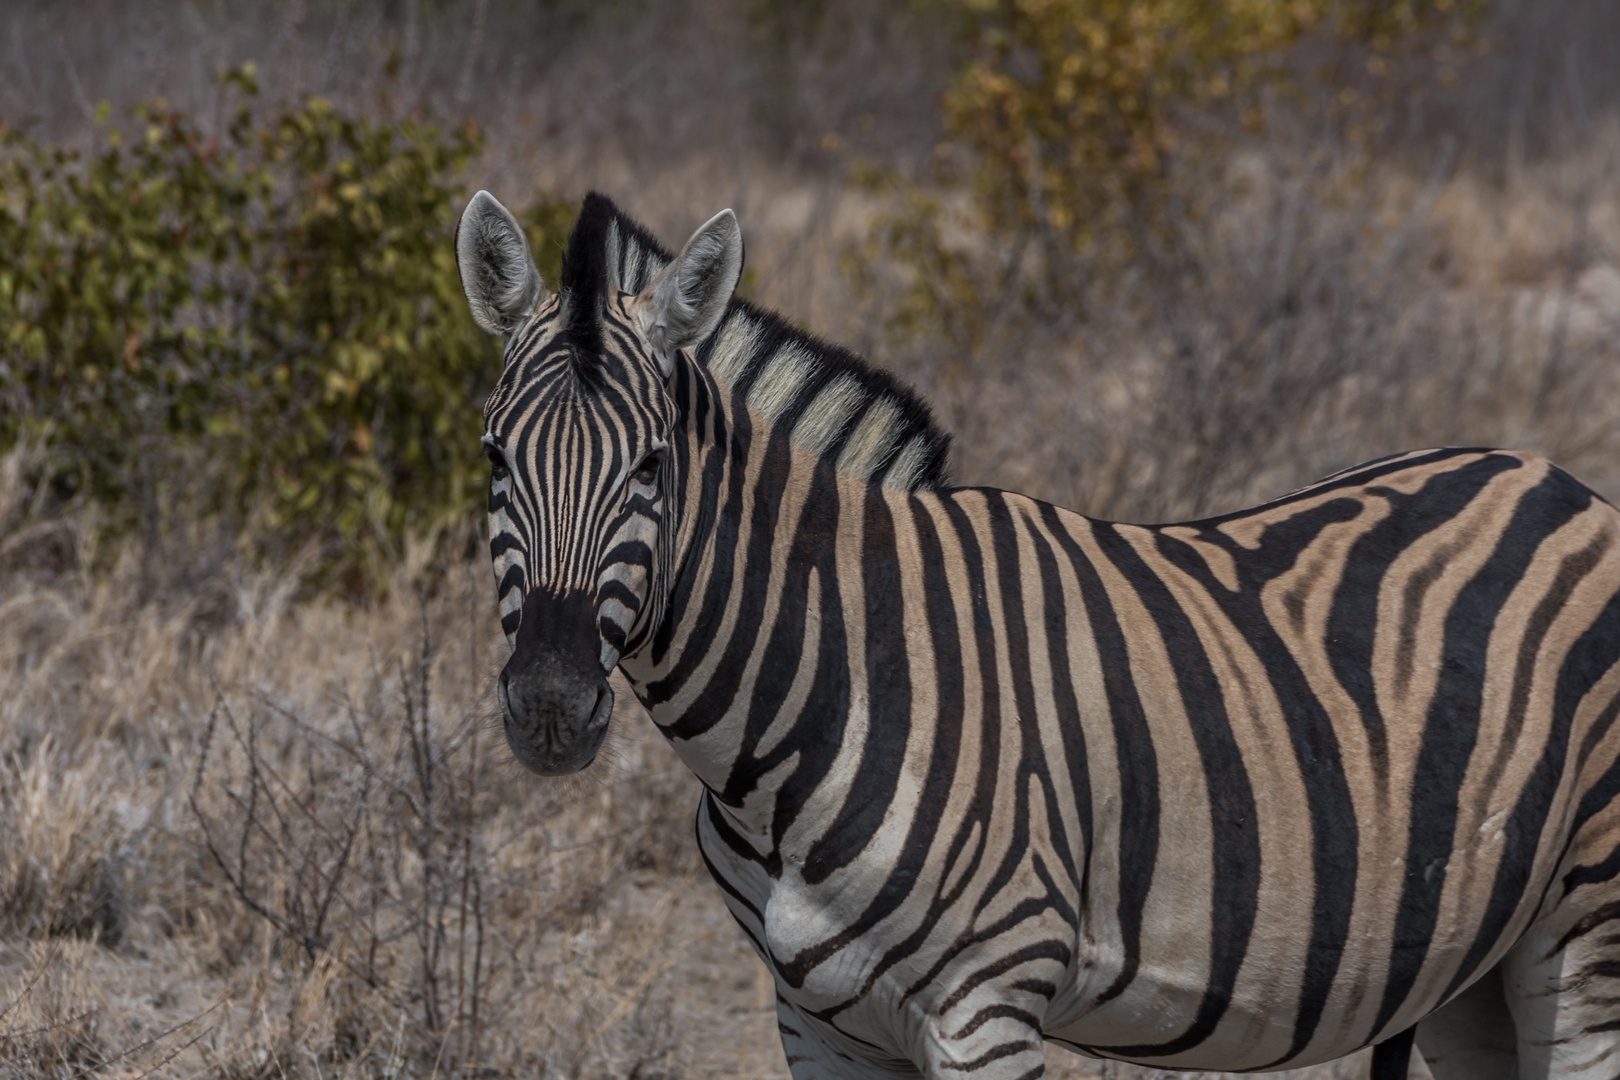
[578, 434]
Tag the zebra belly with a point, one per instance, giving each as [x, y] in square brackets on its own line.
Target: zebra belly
[1163, 1016]
[1288, 1007]
[1171, 1008]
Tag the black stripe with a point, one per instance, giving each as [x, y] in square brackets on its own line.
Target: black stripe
[1066, 706]
[739, 848]
[1592, 657]
[721, 538]
[786, 646]
[1599, 795]
[1138, 775]
[888, 691]
[512, 579]
[821, 728]
[725, 539]
[998, 1011]
[1048, 949]
[977, 816]
[1599, 916]
[939, 617]
[1356, 477]
[629, 553]
[942, 776]
[1005, 1050]
[1335, 836]
[1234, 828]
[1003, 552]
[1030, 908]
[981, 808]
[1451, 727]
[1593, 873]
[502, 542]
[1353, 619]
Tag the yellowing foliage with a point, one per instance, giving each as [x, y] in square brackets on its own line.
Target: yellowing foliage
[1072, 123]
[1074, 109]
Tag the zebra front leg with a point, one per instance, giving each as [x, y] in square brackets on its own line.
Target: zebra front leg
[1019, 1057]
[995, 1035]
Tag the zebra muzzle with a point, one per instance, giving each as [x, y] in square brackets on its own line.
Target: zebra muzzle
[555, 698]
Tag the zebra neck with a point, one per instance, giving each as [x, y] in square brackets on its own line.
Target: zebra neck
[746, 674]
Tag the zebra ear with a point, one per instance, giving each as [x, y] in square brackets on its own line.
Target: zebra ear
[689, 296]
[497, 273]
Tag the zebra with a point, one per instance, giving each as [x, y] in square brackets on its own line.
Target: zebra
[1245, 793]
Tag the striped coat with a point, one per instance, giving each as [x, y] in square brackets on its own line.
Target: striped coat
[1244, 793]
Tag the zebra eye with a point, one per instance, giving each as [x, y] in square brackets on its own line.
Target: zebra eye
[497, 460]
[646, 473]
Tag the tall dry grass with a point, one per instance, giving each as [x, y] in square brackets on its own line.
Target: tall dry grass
[248, 834]
[274, 838]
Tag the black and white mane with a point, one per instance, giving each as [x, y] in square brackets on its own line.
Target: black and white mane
[836, 405]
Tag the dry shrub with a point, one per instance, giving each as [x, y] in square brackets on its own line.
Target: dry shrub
[294, 824]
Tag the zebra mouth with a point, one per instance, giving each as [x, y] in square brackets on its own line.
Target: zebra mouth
[555, 699]
[552, 737]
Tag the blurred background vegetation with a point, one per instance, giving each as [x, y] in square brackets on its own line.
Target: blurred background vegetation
[1148, 259]
[260, 325]
[233, 305]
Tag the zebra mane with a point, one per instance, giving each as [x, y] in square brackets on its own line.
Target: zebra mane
[834, 404]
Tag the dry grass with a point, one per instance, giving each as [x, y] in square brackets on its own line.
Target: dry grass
[281, 839]
[243, 835]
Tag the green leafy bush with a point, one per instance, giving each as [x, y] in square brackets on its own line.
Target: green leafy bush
[265, 324]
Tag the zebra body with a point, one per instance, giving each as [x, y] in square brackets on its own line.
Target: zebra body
[1244, 793]
[1163, 918]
